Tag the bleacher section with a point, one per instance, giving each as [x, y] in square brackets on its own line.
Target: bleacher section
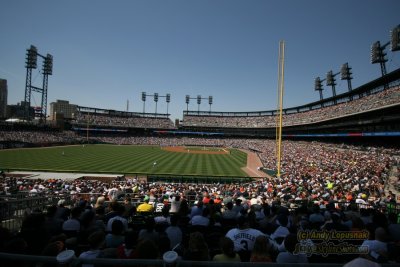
[371, 102]
[118, 119]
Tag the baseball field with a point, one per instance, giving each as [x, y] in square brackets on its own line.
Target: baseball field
[128, 160]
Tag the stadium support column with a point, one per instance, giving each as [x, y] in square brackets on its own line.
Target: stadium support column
[280, 93]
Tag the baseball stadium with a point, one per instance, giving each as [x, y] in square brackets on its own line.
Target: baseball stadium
[310, 185]
[339, 154]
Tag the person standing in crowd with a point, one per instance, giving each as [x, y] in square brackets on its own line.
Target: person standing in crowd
[145, 206]
[175, 203]
[243, 238]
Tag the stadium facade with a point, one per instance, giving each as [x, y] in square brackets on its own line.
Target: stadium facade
[369, 112]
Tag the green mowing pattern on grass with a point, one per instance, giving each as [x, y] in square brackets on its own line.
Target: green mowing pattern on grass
[123, 159]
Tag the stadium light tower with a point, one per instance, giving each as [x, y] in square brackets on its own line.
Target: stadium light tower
[330, 81]
[318, 87]
[395, 38]
[198, 103]
[168, 99]
[31, 63]
[210, 101]
[187, 99]
[144, 100]
[156, 100]
[345, 74]
[378, 55]
[47, 70]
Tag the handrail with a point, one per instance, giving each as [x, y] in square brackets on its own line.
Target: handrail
[159, 262]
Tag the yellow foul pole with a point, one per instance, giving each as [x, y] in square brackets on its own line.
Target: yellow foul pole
[280, 106]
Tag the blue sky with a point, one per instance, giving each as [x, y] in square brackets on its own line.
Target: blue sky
[108, 52]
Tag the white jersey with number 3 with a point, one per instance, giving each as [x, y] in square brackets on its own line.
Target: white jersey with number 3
[243, 239]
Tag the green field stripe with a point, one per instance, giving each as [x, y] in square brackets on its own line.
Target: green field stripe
[123, 159]
[189, 164]
[232, 167]
[239, 157]
[171, 164]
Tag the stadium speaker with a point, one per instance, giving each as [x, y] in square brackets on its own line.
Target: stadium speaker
[143, 96]
[198, 99]
[168, 98]
[395, 39]
[155, 97]
[187, 99]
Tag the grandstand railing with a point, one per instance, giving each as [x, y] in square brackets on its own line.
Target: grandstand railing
[197, 179]
[12, 259]
[13, 208]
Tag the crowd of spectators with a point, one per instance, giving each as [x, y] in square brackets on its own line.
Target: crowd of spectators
[126, 121]
[366, 103]
[230, 222]
[307, 167]
[38, 137]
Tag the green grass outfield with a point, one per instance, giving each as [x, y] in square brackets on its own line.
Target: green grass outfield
[123, 159]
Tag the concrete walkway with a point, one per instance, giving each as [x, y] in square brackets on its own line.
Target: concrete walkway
[60, 175]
